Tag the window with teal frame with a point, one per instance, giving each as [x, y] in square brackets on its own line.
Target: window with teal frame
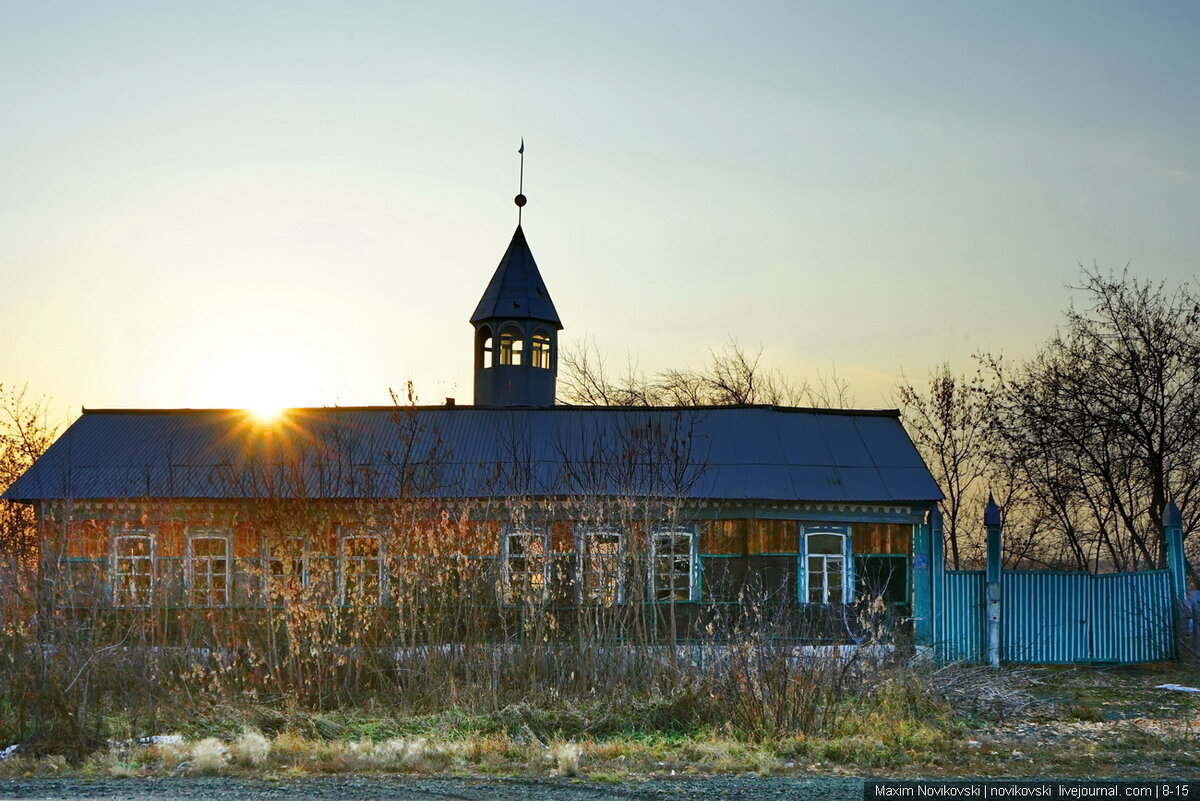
[826, 573]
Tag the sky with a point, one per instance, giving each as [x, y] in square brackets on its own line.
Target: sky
[212, 203]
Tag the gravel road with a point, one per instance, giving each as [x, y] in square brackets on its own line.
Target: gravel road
[414, 789]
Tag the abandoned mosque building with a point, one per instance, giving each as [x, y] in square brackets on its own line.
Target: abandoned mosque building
[688, 509]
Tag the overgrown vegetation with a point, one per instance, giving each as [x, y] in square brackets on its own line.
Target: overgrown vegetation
[958, 720]
[77, 677]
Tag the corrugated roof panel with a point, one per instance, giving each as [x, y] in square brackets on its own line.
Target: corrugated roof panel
[862, 482]
[820, 483]
[913, 482]
[765, 482]
[845, 440]
[887, 443]
[762, 453]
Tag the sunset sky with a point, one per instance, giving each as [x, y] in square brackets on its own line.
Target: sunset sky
[205, 202]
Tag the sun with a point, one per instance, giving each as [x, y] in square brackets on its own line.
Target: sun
[266, 413]
[263, 375]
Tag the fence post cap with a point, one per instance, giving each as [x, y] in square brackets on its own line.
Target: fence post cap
[991, 513]
[1170, 516]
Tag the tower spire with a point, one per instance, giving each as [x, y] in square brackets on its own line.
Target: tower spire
[520, 199]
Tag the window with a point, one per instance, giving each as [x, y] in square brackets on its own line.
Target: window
[510, 346]
[600, 565]
[526, 567]
[286, 563]
[673, 564]
[825, 563]
[540, 347]
[483, 347]
[882, 576]
[207, 569]
[132, 563]
[360, 573]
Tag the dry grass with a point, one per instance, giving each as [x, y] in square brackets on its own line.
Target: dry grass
[209, 757]
[251, 749]
[566, 758]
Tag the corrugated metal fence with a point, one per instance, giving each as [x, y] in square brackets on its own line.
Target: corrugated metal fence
[1048, 617]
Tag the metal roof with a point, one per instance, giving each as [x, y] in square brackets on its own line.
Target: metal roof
[517, 291]
[718, 453]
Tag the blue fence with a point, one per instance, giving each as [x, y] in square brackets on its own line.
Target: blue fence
[1060, 618]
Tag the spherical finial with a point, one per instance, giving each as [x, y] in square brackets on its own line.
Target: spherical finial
[520, 200]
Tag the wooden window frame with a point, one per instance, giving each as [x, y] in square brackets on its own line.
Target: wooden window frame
[271, 577]
[512, 346]
[348, 534]
[657, 535]
[845, 558]
[526, 533]
[191, 575]
[586, 562]
[539, 350]
[127, 598]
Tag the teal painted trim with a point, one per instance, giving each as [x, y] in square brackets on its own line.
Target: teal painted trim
[832, 517]
[1173, 539]
[922, 592]
[748, 511]
[802, 559]
[697, 575]
[938, 567]
[802, 569]
[726, 556]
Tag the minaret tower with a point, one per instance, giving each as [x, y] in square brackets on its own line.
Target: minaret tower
[516, 328]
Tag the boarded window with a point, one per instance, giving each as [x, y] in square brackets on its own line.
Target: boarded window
[882, 538]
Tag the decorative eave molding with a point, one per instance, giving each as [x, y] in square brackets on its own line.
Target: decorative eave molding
[238, 511]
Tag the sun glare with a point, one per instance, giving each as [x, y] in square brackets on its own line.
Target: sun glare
[266, 414]
[264, 376]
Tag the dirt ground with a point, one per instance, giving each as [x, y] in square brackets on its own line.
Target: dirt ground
[1084, 722]
[416, 789]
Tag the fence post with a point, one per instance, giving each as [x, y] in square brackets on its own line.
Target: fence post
[1184, 609]
[991, 521]
[937, 574]
[922, 595]
[1172, 531]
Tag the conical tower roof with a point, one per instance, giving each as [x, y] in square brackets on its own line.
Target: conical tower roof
[517, 291]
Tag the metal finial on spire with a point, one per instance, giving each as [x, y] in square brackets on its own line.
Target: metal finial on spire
[520, 199]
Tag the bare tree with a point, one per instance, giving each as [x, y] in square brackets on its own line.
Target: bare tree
[1103, 424]
[948, 424]
[732, 377]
